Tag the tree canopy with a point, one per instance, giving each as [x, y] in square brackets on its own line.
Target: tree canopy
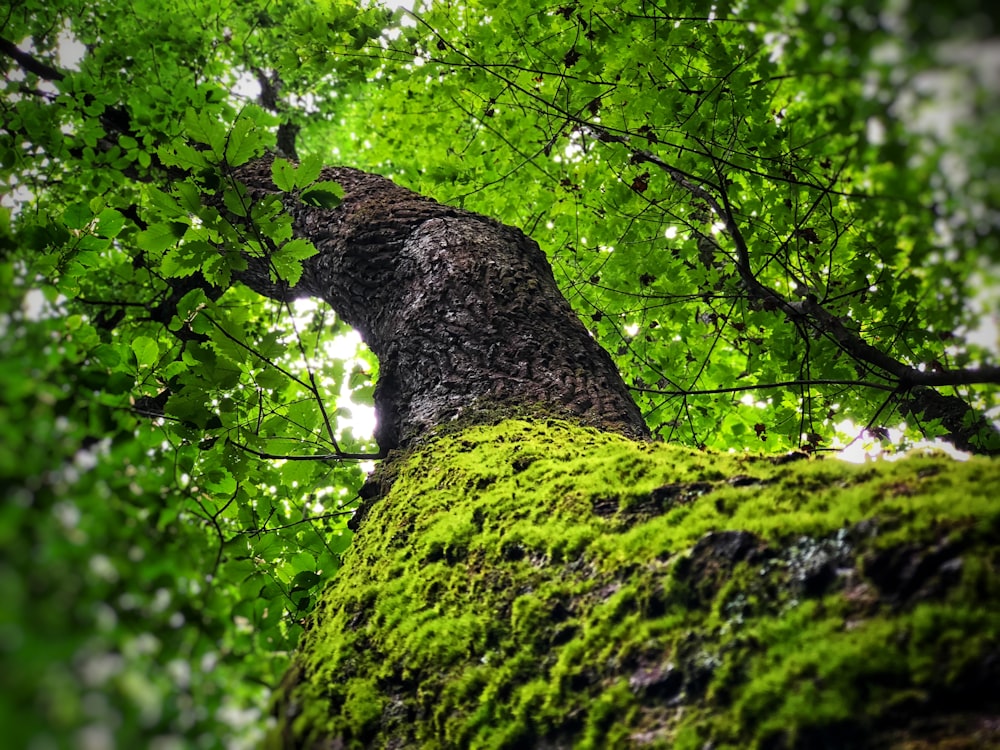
[779, 218]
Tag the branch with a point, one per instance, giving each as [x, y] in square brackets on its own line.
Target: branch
[115, 119]
[310, 519]
[763, 386]
[338, 456]
[270, 99]
[965, 425]
[29, 63]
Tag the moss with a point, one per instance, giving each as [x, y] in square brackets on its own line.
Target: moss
[541, 583]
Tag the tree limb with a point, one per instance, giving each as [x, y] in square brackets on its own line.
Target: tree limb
[967, 428]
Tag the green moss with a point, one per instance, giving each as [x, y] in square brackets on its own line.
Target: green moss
[530, 583]
[363, 705]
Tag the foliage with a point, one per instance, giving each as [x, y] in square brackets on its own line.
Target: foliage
[160, 566]
[616, 132]
[161, 550]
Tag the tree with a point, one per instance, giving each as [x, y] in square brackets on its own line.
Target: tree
[719, 192]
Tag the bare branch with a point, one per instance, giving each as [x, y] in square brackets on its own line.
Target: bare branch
[29, 63]
[764, 386]
[341, 456]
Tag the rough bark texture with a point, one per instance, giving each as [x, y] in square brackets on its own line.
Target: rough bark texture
[462, 312]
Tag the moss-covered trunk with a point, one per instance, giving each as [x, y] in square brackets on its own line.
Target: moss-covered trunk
[539, 584]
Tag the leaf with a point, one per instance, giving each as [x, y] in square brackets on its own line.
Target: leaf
[165, 202]
[304, 580]
[236, 200]
[302, 561]
[323, 195]
[146, 350]
[110, 223]
[283, 174]
[186, 258]
[219, 268]
[217, 271]
[359, 378]
[270, 379]
[339, 543]
[298, 249]
[243, 142]
[191, 301]
[287, 261]
[204, 128]
[159, 237]
[189, 196]
[309, 169]
[77, 215]
[107, 355]
[188, 406]
[180, 154]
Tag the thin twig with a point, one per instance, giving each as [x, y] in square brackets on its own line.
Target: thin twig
[321, 457]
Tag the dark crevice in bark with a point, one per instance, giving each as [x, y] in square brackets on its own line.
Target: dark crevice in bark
[462, 311]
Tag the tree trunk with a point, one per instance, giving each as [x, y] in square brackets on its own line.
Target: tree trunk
[543, 584]
[462, 312]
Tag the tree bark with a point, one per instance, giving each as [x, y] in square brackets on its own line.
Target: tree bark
[462, 311]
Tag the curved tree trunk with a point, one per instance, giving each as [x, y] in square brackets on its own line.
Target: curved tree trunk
[462, 312]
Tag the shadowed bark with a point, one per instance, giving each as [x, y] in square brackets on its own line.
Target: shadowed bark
[462, 312]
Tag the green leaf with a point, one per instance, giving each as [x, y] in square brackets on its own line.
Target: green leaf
[323, 195]
[107, 355]
[309, 169]
[77, 215]
[339, 543]
[287, 261]
[189, 196]
[359, 378]
[186, 258]
[159, 237]
[163, 201]
[180, 154]
[236, 200]
[204, 128]
[283, 174]
[146, 350]
[243, 143]
[303, 561]
[119, 383]
[110, 223]
[191, 301]
[304, 580]
[189, 406]
[270, 379]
